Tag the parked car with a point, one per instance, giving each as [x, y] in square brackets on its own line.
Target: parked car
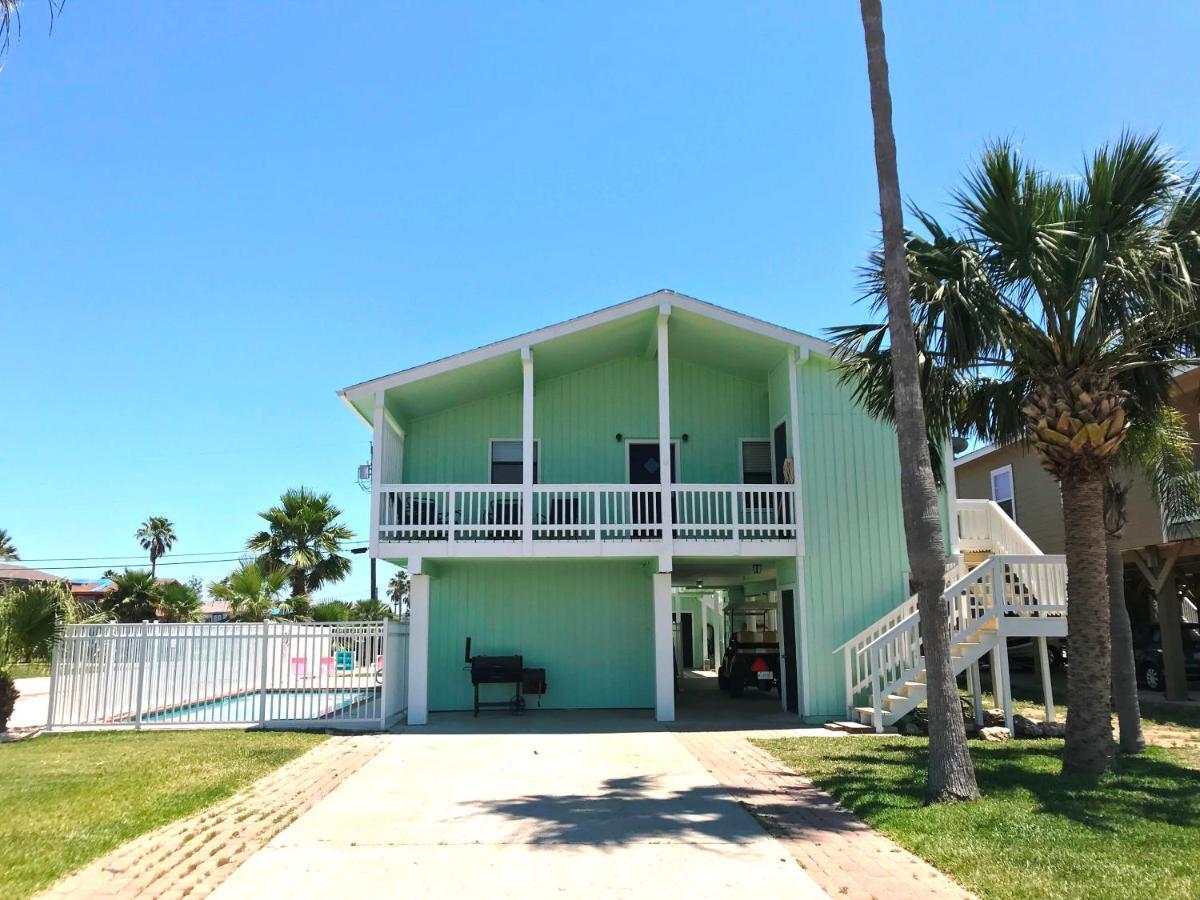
[1148, 655]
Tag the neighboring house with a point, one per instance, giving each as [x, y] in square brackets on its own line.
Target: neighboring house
[550, 492]
[216, 611]
[1162, 558]
[12, 573]
[92, 590]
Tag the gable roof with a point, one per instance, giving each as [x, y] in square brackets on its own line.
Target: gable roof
[10, 572]
[663, 299]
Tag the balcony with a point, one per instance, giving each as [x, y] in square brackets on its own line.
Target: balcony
[584, 520]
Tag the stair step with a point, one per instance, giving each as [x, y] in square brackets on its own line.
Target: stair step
[895, 700]
[963, 647]
[850, 727]
[914, 686]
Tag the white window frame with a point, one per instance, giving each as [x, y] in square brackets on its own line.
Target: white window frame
[1012, 482]
[537, 455]
[769, 441]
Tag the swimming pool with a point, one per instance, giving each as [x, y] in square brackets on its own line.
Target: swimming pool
[327, 703]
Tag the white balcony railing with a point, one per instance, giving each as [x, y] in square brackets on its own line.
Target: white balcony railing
[579, 512]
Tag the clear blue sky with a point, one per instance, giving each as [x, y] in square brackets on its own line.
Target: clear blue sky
[213, 217]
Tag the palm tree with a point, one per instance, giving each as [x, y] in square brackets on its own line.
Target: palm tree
[179, 602]
[332, 611]
[1057, 301]
[254, 592]
[157, 535]
[8, 550]
[32, 617]
[951, 773]
[303, 537]
[397, 590]
[371, 611]
[136, 597]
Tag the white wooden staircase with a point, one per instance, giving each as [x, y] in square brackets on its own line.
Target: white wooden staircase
[1015, 590]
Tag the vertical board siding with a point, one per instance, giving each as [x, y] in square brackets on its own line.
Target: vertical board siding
[451, 445]
[715, 409]
[854, 534]
[588, 623]
[577, 416]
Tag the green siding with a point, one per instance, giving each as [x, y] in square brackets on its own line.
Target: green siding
[589, 623]
[854, 535]
[577, 416]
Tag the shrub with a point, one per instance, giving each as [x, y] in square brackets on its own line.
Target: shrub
[8, 699]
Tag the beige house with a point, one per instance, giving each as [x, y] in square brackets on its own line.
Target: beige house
[1162, 558]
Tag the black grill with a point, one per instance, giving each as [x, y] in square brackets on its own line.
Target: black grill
[497, 670]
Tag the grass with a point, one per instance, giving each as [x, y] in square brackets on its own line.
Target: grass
[68, 798]
[1036, 833]
[29, 670]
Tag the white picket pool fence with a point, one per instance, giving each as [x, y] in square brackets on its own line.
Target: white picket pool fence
[350, 675]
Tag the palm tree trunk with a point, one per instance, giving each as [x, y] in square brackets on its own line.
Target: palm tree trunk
[1089, 713]
[153, 565]
[951, 773]
[1124, 671]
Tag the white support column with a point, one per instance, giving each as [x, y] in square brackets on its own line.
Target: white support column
[418, 646]
[664, 654]
[376, 474]
[801, 610]
[664, 425]
[955, 547]
[1047, 687]
[994, 668]
[704, 633]
[1007, 704]
[527, 448]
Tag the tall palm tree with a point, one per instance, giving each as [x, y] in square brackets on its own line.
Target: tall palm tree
[254, 592]
[1056, 301]
[180, 602]
[157, 535]
[303, 536]
[951, 773]
[8, 550]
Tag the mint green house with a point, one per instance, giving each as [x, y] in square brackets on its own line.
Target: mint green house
[552, 492]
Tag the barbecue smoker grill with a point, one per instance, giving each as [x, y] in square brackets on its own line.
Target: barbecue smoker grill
[497, 670]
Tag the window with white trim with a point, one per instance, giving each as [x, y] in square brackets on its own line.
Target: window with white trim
[505, 460]
[1003, 492]
[756, 462]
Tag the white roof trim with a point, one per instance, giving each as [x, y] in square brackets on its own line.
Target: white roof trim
[570, 326]
[977, 454]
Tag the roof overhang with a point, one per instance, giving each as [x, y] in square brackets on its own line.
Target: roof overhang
[565, 345]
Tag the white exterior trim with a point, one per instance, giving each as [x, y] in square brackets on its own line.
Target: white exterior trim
[664, 423]
[977, 454]
[951, 479]
[418, 649]
[660, 299]
[664, 649]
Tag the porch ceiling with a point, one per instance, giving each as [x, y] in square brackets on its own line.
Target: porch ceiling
[722, 573]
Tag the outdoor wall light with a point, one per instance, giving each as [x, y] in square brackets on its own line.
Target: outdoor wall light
[685, 437]
[620, 437]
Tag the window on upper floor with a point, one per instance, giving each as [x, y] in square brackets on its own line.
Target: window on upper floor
[1002, 491]
[756, 462]
[506, 462]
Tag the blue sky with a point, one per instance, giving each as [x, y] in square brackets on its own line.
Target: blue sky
[212, 222]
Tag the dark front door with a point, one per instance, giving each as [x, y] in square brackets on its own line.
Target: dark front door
[780, 451]
[644, 468]
[788, 602]
[687, 650]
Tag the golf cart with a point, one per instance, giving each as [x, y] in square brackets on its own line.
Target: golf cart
[751, 658]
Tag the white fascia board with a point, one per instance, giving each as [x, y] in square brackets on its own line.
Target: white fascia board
[977, 454]
[590, 320]
[354, 409]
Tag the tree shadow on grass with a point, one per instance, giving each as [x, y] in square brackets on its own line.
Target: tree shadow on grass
[888, 775]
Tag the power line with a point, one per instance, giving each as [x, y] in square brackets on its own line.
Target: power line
[136, 557]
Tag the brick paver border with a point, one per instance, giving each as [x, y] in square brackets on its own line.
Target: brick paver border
[191, 857]
[841, 853]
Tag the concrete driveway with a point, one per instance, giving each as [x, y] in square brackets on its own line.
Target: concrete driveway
[628, 812]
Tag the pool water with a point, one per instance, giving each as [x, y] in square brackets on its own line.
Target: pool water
[314, 704]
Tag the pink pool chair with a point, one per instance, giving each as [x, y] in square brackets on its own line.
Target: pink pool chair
[299, 666]
[327, 665]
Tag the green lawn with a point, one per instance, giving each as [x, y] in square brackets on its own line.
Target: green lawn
[1135, 833]
[29, 670]
[67, 798]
